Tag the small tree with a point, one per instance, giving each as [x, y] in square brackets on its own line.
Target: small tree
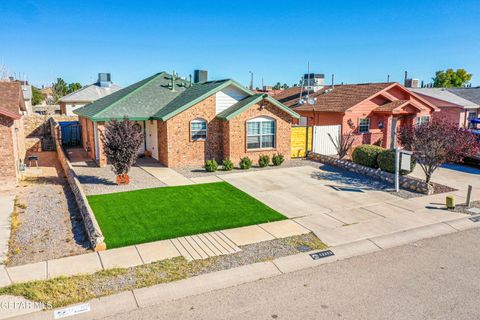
[122, 141]
[37, 96]
[438, 142]
[343, 143]
[451, 78]
[74, 86]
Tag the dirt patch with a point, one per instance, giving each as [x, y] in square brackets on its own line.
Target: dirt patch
[47, 220]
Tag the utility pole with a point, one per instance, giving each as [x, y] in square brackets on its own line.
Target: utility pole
[388, 78]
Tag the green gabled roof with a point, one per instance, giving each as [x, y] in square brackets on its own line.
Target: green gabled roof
[194, 95]
[246, 103]
[138, 101]
[153, 98]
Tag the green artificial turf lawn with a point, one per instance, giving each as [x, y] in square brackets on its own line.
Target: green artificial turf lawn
[133, 217]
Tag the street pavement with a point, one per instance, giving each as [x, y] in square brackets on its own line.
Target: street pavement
[436, 278]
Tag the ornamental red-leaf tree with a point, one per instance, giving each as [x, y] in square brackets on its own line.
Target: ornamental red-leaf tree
[122, 141]
[438, 142]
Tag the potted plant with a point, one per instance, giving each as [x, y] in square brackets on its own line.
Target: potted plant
[122, 141]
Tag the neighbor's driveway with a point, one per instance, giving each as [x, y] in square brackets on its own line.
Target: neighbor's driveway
[360, 210]
[456, 176]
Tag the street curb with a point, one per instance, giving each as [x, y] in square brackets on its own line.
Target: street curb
[149, 296]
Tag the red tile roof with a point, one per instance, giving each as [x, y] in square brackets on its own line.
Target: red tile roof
[342, 97]
[11, 99]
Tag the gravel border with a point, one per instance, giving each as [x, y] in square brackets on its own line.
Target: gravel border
[101, 180]
[197, 172]
[50, 223]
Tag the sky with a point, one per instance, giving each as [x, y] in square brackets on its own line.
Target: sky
[358, 41]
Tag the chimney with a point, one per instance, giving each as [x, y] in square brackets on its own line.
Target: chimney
[200, 76]
[405, 79]
[104, 79]
[333, 81]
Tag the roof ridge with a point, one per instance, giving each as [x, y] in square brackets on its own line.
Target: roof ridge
[155, 76]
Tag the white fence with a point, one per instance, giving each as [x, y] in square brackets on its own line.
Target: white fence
[322, 144]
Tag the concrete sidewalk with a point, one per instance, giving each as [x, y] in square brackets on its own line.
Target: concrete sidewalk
[199, 246]
[144, 297]
[6, 208]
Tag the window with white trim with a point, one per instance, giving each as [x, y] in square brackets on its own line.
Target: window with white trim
[364, 125]
[261, 133]
[422, 120]
[198, 130]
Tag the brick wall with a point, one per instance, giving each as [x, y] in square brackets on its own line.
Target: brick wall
[237, 133]
[94, 232]
[8, 172]
[88, 139]
[181, 150]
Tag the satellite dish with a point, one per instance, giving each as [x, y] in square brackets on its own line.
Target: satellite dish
[311, 101]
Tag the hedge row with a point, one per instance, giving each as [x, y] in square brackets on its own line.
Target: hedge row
[377, 157]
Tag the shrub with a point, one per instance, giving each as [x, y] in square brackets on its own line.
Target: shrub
[263, 161]
[227, 165]
[122, 140]
[211, 165]
[245, 163]
[386, 162]
[366, 155]
[277, 159]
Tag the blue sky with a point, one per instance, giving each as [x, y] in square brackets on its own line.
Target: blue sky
[358, 41]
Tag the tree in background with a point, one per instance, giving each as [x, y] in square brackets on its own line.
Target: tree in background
[285, 86]
[277, 86]
[122, 141]
[438, 142]
[451, 79]
[74, 86]
[37, 96]
[59, 88]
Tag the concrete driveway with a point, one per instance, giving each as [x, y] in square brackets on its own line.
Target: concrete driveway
[339, 206]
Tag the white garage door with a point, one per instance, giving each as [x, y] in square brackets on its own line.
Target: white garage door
[321, 141]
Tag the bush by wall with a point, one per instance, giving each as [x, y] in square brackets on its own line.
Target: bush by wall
[277, 159]
[227, 165]
[245, 163]
[211, 165]
[263, 161]
[366, 155]
[386, 162]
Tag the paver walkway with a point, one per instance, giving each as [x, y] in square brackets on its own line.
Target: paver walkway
[166, 175]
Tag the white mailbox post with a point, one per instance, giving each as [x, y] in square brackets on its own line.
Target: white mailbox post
[403, 160]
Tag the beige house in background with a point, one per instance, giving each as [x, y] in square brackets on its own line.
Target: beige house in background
[88, 94]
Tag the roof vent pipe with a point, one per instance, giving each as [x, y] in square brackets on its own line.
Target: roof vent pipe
[173, 81]
[333, 80]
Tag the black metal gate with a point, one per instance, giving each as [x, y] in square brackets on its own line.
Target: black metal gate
[71, 133]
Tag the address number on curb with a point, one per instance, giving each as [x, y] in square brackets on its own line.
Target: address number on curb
[322, 254]
[68, 312]
[475, 219]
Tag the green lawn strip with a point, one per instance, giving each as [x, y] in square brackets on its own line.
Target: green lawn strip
[140, 216]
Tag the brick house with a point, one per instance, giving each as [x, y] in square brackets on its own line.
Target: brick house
[373, 111]
[185, 124]
[12, 140]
